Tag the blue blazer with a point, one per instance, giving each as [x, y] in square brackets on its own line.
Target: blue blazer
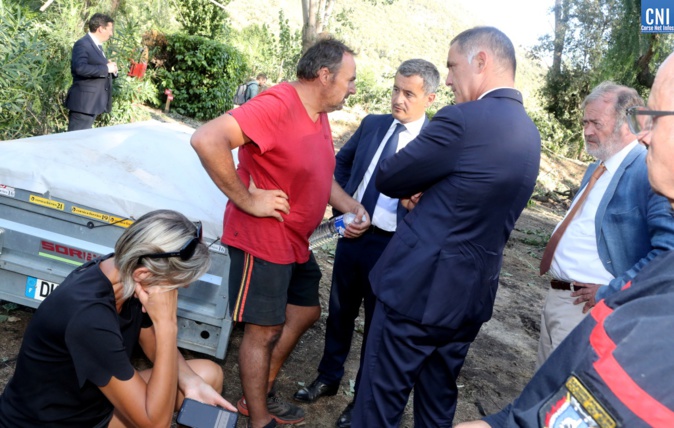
[634, 224]
[355, 156]
[91, 91]
[476, 163]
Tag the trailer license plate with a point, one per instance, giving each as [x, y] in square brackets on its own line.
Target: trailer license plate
[39, 289]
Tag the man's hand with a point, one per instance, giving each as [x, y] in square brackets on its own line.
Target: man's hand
[266, 203]
[411, 202]
[112, 67]
[585, 295]
[360, 224]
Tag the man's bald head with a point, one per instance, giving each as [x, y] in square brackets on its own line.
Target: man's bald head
[660, 138]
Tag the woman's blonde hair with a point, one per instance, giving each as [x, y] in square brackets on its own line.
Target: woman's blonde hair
[156, 232]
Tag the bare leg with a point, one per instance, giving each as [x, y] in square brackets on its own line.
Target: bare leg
[298, 320]
[255, 355]
[207, 370]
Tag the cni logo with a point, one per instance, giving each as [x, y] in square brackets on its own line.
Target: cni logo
[655, 16]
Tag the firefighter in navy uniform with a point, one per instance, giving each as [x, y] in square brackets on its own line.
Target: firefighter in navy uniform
[616, 368]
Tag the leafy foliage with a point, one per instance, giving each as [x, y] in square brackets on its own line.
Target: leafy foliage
[37, 62]
[202, 18]
[128, 93]
[555, 136]
[35, 50]
[24, 66]
[370, 95]
[277, 56]
[202, 74]
[598, 40]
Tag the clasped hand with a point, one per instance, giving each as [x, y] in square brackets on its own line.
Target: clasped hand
[112, 67]
[411, 202]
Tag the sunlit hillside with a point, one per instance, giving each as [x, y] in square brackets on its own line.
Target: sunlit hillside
[385, 35]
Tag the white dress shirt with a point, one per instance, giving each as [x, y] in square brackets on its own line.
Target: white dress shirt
[96, 42]
[576, 257]
[385, 213]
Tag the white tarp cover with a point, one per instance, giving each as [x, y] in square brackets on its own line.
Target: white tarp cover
[126, 170]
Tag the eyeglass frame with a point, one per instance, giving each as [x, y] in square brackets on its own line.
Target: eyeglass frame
[632, 113]
[185, 252]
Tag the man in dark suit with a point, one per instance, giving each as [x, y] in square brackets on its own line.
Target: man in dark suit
[413, 92]
[91, 91]
[475, 165]
[615, 368]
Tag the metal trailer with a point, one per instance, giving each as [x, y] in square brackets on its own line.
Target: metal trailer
[66, 198]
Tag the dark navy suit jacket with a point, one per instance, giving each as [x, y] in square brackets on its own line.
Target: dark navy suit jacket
[355, 156]
[91, 91]
[477, 164]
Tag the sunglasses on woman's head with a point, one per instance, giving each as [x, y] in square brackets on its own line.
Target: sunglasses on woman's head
[185, 252]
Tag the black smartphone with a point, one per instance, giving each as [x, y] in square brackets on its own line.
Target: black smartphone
[195, 414]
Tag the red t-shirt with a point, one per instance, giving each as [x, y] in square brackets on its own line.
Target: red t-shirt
[289, 152]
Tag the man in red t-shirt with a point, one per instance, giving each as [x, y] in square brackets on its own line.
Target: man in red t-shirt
[277, 197]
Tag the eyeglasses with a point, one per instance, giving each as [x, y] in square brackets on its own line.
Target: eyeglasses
[185, 252]
[639, 119]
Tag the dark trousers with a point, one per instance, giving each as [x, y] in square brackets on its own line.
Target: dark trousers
[354, 258]
[78, 121]
[401, 354]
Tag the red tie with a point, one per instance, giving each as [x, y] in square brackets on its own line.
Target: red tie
[549, 252]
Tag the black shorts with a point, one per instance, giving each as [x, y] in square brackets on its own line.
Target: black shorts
[259, 290]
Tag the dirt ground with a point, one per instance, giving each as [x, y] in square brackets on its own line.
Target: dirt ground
[500, 361]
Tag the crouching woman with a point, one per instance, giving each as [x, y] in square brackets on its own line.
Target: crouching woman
[74, 368]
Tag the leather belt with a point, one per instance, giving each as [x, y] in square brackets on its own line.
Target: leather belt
[377, 231]
[563, 285]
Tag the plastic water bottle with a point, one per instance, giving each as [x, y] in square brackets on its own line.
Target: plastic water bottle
[330, 230]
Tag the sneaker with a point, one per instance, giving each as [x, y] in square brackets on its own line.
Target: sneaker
[283, 412]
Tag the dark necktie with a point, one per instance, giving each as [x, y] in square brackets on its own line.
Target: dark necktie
[549, 252]
[100, 48]
[371, 194]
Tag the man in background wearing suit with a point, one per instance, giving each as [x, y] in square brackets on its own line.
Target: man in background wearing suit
[91, 91]
[476, 165]
[615, 226]
[377, 137]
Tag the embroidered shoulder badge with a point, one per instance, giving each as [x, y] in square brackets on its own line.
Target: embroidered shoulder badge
[573, 405]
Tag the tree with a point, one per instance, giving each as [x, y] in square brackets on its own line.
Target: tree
[316, 16]
[596, 40]
[633, 57]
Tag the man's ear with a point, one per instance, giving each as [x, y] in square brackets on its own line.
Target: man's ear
[480, 61]
[324, 76]
[429, 99]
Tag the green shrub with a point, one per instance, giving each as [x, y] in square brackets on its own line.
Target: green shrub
[202, 74]
[35, 51]
[25, 66]
[556, 137]
[274, 55]
[372, 95]
[202, 18]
